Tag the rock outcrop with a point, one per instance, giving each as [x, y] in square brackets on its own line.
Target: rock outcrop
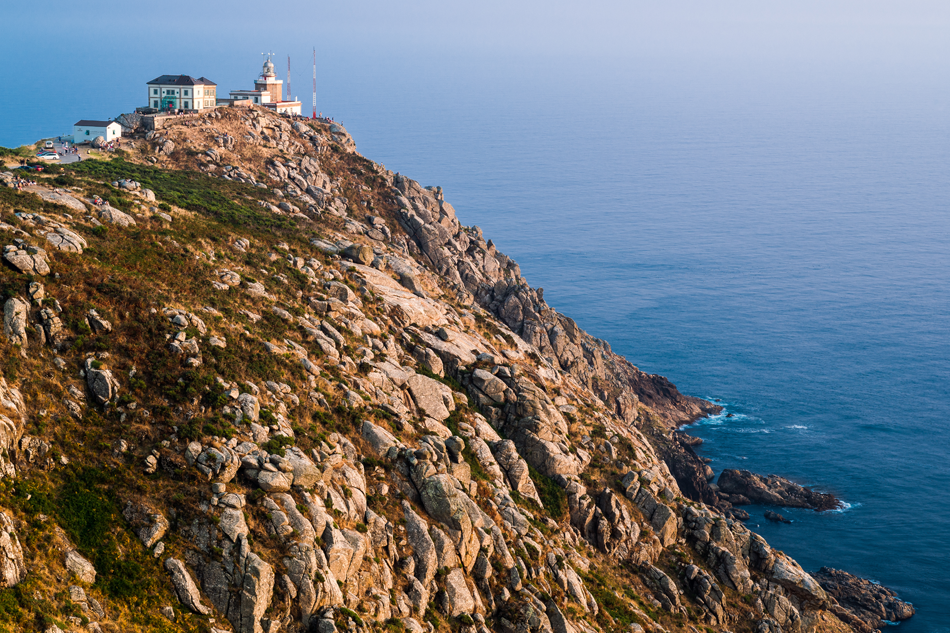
[861, 601]
[185, 586]
[744, 487]
[12, 567]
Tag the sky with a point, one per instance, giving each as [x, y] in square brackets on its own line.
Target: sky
[75, 56]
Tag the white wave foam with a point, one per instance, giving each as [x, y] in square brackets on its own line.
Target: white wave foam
[796, 426]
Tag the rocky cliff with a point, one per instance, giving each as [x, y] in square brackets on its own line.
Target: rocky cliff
[255, 382]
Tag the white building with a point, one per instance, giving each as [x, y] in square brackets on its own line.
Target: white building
[181, 92]
[268, 92]
[86, 131]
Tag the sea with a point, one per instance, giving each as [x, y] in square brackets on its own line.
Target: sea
[774, 238]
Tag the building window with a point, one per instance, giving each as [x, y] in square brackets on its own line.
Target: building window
[186, 105]
[155, 104]
[186, 93]
[87, 132]
[154, 91]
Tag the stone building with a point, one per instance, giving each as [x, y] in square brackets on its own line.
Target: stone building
[268, 92]
[181, 92]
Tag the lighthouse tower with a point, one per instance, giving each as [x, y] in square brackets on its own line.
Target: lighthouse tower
[268, 92]
[269, 83]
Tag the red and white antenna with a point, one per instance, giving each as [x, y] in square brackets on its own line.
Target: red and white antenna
[314, 83]
[289, 93]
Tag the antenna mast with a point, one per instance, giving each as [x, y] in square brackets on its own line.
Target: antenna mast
[314, 82]
[289, 93]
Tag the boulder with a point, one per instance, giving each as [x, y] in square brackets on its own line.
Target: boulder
[339, 552]
[379, 439]
[219, 463]
[274, 481]
[185, 586]
[53, 328]
[66, 240]
[30, 260]
[15, 313]
[101, 383]
[459, 597]
[787, 573]
[423, 549]
[12, 422]
[250, 407]
[431, 396]
[257, 588]
[516, 469]
[430, 360]
[359, 253]
[111, 215]
[232, 523]
[664, 588]
[305, 473]
[96, 323]
[490, 385]
[149, 525]
[453, 508]
[664, 524]
[57, 197]
[79, 566]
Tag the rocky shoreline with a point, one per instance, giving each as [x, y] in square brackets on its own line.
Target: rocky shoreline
[864, 604]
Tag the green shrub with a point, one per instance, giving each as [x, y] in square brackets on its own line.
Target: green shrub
[351, 614]
[610, 602]
[552, 495]
[212, 197]
[86, 507]
[278, 444]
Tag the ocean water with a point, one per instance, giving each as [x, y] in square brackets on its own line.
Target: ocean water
[779, 245]
[777, 241]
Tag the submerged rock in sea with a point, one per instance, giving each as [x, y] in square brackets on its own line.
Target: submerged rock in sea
[775, 517]
[742, 487]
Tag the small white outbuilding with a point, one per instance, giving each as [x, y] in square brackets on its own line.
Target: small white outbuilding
[86, 131]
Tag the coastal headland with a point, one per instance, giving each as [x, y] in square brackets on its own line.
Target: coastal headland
[254, 381]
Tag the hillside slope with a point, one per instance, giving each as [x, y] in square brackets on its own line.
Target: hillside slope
[268, 385]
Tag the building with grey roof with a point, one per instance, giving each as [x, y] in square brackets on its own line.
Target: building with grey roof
[181, 92]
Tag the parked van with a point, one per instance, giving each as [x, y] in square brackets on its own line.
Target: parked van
[48, 145]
